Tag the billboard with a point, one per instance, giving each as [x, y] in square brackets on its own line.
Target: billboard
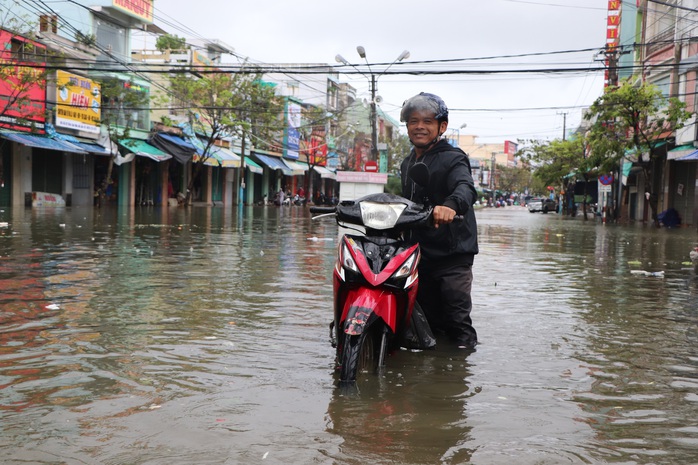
[293, 126]
[141, 9]
[22, 84]
[77, 103]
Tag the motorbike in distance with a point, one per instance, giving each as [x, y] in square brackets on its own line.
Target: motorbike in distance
[375, 279]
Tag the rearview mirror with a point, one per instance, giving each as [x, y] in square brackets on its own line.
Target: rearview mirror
[419, 173]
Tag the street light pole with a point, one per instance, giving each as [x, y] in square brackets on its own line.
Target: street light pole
[492, 174]
[373, 89]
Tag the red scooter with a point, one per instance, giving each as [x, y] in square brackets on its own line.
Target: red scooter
[375, 282]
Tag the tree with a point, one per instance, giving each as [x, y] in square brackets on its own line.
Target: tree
[398, 148]
[224, 105]
[636, 119]
[120, 101]
[170, 42]
[560, 161]
[314, 134]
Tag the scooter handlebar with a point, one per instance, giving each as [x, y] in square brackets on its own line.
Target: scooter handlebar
[322, 210]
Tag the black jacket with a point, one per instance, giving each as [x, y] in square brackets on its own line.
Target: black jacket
[450, 184]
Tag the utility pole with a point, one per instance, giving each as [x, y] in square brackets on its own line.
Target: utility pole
[564, 124]
[374, 128]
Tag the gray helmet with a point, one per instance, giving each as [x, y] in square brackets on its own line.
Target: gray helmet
[424, 101]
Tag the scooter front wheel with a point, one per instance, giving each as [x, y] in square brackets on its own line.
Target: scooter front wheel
[362, 352]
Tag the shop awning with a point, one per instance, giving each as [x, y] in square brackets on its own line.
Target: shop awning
[693, 156]
[181, 149]
[252, 166]
[95, 149]
[144, 149]
[227, 158]
[298, 168]
[42, 142]
[680, 151]
[324, 172]
[274, 163]
[88, 146]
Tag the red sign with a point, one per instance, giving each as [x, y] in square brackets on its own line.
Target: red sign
[22, 88]
[606, 179]
[371, 166]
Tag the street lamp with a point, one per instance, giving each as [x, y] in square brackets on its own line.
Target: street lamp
[456, 131]
[372, 79]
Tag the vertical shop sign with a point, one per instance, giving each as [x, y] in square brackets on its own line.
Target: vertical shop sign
[293, 125]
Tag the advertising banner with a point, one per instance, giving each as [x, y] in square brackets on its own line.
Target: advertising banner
[141, 9]
[77, 103]
[293, 135]
[22, 88]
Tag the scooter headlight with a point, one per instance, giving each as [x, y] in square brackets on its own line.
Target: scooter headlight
[380, 215]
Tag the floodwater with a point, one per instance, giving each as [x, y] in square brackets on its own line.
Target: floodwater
[201, 337]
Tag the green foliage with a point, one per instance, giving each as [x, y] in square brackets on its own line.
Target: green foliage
[119, 102]
[513, 178]
[170, 42]
[552, 161]
[89, 40]
[394, 185]
[636, 118]
[227, 105]
[398, 148]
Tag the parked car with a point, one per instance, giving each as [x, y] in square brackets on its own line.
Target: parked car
[541, 204]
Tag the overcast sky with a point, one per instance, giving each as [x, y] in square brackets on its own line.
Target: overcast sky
[495, 107]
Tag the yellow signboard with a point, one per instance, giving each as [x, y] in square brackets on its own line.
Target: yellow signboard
[77, 103]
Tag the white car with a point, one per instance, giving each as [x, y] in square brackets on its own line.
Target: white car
[538, 204]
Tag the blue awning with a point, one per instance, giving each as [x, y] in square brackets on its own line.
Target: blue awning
[42, 142]
[90, 147]
[274, 163]
[693, 156]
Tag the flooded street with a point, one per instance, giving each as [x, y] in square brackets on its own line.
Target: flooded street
[201, 337]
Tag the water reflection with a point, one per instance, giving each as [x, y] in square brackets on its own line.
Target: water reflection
[414, 414]
[173, 336]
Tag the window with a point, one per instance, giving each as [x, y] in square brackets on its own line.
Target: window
[24, 52]
[112, 38]
[48, 23]
[664, 85]
[661, 21]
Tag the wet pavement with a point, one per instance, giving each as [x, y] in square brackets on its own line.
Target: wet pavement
[175, 337]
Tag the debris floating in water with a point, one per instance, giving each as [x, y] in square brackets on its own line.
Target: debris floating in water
[654, 274]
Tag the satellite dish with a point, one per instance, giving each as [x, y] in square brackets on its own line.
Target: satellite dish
[379, 99]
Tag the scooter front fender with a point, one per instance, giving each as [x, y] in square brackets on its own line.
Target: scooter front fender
[363, 302]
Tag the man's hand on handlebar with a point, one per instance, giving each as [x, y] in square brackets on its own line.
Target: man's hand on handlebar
[442, 215]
